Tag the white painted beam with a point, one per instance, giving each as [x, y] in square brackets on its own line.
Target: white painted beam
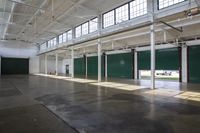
[72, 62]
[56, 63]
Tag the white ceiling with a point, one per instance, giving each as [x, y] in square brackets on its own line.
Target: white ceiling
[35, 21]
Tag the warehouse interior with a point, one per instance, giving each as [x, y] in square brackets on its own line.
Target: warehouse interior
[100, 66]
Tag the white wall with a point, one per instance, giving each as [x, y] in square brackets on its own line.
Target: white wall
[34, 65]
[51, 65]
[17, 49]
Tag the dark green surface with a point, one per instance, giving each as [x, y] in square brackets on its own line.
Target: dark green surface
[14, 66]
[166, 59]
[144, 60]
[92, 66]
[79, 66]
[120, 65]
[194, 64]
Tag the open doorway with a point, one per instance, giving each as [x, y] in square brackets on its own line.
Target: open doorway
[67, 69]
[170, 75]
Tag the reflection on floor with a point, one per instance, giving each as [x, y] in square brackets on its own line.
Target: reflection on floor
[92, 107]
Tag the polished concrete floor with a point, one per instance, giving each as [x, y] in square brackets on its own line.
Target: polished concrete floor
[30, 104]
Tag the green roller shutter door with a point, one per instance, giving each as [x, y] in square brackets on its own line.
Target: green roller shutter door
[14, 66]
[166, 59]
[194, 64]
[79, 67]
[144, 60]
[92, 66]
[120, 65]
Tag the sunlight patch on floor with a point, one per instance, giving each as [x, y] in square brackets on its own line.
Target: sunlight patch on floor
[120, 86]
[164, 92]
[188, 95]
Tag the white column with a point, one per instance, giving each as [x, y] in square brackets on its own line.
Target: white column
[99, 60]
[106, 66]
[152, 57]
[56, 64]
[45, 64]
[72, 62]
[184, 64]
[135, 65]
[99, 47]
[152, 28]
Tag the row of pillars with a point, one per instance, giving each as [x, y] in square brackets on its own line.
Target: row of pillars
[152, 28]
[99, 60]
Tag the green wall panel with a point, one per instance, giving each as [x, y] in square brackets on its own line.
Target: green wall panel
[79, 66]
[120, 65]
[166, 59]
[144, 60]
[92, 66]
[194, 64]
[14, 66]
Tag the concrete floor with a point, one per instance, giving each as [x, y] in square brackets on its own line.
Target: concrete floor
[45, 104]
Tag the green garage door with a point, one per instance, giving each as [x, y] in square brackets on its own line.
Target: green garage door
[92, 66]
[14, 66]
[79, 66]
[194, 64]
[166, 59]
[144, 60]
[120, 65]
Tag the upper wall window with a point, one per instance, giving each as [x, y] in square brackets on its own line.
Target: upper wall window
[60, 38]
[122, 14]
[166, 3]
[85, 28]
[109, 19]
[138, 8]
[93, 25]
[43, 46]
[65, 37]
[54, 41]
[78, 31]
[69, 35]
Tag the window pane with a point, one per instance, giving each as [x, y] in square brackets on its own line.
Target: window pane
[43, 46]
[78, 31]
[138, 8]
[60, 39]
[85, 29]
[93, 25]
[108, 19]
[122, 14]
[54, 41]
[49, 44]
[64, 37]
[166, 3]
[69, 35]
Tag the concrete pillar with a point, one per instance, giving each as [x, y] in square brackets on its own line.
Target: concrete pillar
[99, 46]
[72, 62]
[152, 28]
[56, 64]
[106, 66]
[45, 63]
[184, 64]
[135, 65]
[99, 60]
